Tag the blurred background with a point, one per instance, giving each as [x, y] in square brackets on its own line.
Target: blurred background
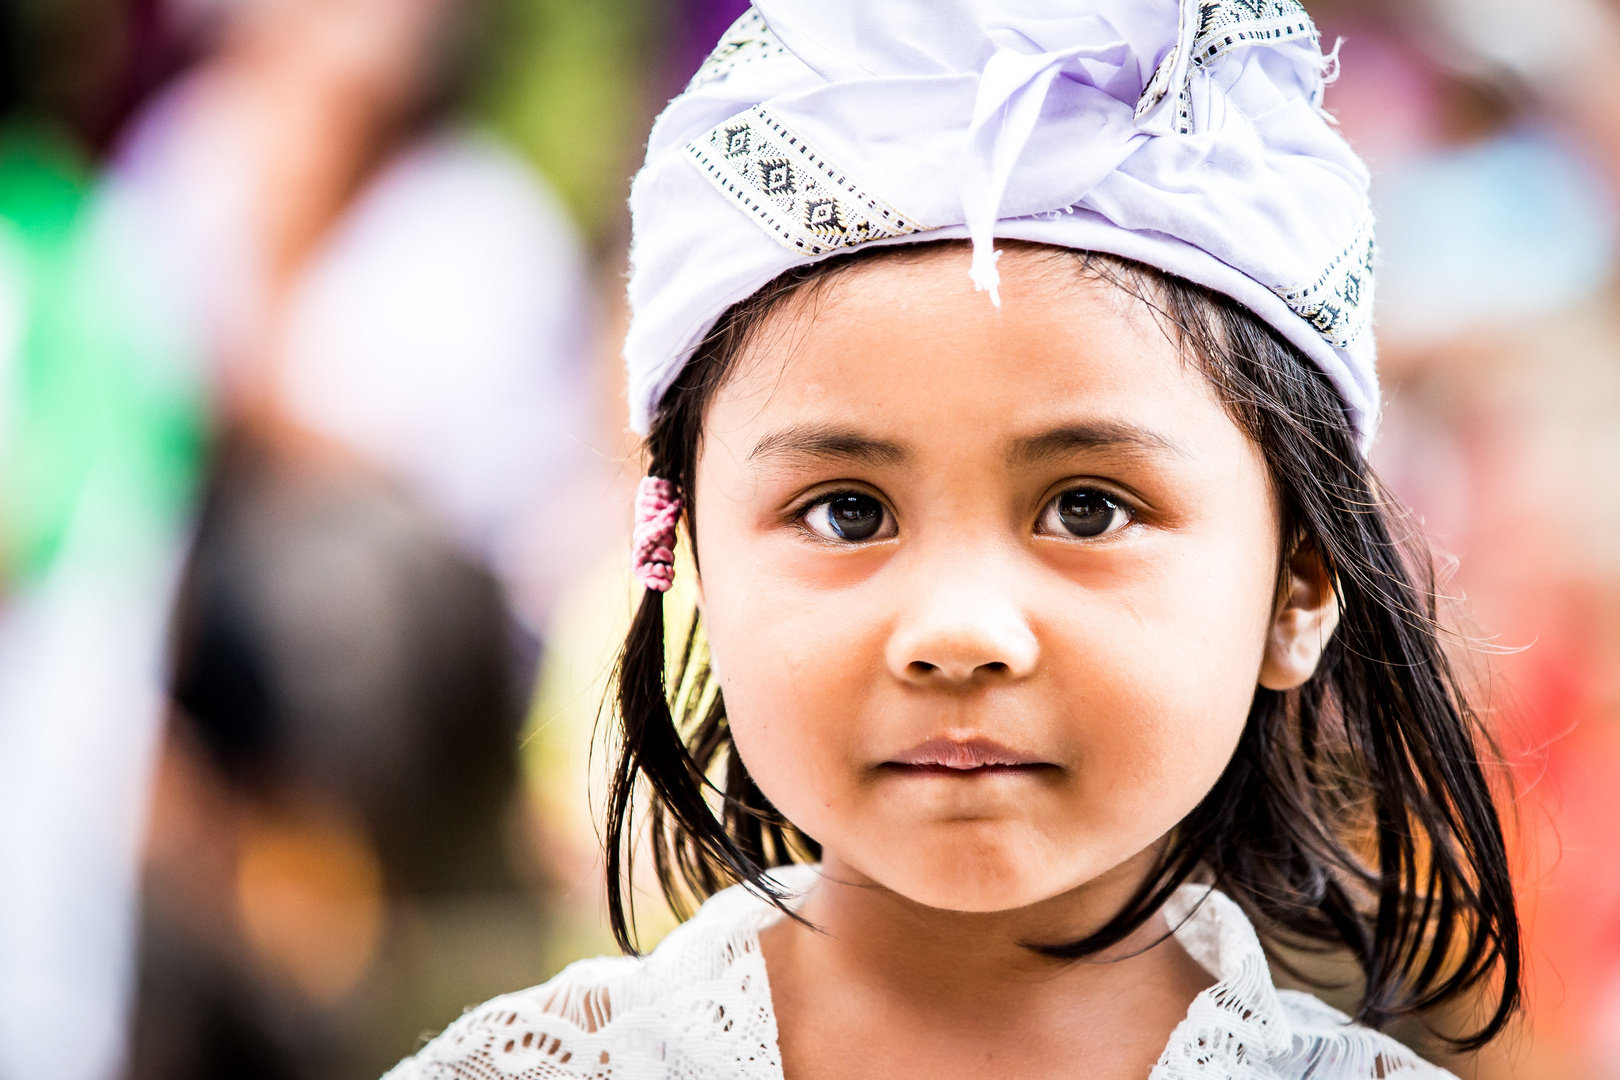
[314, 494]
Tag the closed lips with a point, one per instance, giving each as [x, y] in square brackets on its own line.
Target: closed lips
[967, 755]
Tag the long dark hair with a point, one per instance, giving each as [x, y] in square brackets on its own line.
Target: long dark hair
[1355, 814]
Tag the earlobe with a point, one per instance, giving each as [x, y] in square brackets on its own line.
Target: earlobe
[1307, 615]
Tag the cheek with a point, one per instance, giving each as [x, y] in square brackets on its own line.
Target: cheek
[1165, 671]
[795, 668]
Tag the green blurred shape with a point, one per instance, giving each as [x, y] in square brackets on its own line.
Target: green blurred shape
[567, 82]
[102, 435]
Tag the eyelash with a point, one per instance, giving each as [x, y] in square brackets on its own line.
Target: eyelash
[1121, 515]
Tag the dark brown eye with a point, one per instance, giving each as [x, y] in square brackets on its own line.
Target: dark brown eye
[851, 518]
[855, 517]
[1085, 513]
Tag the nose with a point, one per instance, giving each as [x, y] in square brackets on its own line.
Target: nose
[961, 629]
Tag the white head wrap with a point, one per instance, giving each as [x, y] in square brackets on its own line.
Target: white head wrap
[1186, 135]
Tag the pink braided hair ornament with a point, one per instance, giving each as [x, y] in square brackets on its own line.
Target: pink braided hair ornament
[652, 555]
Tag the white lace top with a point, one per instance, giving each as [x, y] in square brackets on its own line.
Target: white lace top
[699, 1008]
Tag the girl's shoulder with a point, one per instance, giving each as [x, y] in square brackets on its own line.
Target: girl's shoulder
[1328, 1044]
[699, 1006]
[696, 1006]
[1244, 1026]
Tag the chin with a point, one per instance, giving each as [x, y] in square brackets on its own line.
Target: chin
[975, 874]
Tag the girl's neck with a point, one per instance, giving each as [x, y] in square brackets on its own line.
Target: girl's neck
[903, 989]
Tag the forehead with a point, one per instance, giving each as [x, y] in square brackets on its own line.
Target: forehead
[903, 348]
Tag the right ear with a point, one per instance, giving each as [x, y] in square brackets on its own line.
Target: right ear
[1306, 615]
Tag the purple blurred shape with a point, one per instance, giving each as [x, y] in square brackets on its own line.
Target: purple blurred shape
[698, 24]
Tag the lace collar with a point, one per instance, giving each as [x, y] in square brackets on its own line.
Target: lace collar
[699, 1008]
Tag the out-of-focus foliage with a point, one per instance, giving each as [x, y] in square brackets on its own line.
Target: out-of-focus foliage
[570, 83]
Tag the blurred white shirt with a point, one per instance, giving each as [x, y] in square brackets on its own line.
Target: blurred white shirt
[444, 334]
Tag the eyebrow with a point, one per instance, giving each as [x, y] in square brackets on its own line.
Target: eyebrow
[829, 442]
[1091, 435]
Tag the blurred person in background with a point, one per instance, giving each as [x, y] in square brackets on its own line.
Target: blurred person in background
[399, 317]
[382, 322]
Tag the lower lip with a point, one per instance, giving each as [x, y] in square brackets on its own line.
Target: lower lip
[979, 771]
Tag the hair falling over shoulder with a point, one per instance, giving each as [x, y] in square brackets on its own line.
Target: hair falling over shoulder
[1356, 813]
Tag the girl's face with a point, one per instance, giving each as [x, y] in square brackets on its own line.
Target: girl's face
[988, 592]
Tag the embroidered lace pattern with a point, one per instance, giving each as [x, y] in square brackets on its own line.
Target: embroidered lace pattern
[813, 206]
[748, 40]
[699, 1008]
[1224, 25]
[1339, 302]
[789, 188]
[1244, 1028]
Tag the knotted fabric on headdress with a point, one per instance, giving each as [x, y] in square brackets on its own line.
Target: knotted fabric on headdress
[1186, 135]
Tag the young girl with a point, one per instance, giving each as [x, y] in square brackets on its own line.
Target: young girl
[1008, 365]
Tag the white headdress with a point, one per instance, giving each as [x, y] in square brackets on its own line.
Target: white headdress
[1186, 135]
